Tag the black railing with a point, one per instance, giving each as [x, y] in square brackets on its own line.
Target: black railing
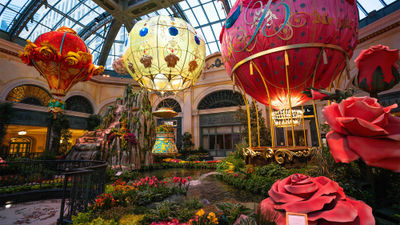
[76, 182]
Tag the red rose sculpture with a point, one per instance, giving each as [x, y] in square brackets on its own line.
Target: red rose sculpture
[322, 199]
[377, 69]
[363, 128]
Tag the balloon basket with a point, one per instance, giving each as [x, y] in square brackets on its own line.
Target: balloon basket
[280, 155]
[285, 102]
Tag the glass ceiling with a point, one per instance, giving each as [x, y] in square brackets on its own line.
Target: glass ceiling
[206, 16]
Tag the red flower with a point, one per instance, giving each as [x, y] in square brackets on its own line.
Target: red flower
[322, 199]
[377, 69]
[189, 178]
[183, 181]
[176, 179]
[316, 95]
[363, 128]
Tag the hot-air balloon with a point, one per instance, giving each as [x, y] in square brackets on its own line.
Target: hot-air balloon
[273, 50]
[164, 54]
[63, 59]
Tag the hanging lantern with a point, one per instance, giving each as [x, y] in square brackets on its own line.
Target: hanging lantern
[165, 144]
[275, 49]
[63, 59]
[164, 54]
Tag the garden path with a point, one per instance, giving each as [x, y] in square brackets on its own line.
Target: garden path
[32, 213]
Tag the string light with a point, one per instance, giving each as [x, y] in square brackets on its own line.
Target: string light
[282, 118]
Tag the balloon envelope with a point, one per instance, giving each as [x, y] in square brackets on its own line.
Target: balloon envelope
[62, 58]
[257, 26]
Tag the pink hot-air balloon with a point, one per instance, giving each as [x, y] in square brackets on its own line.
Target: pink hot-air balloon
[284, 43]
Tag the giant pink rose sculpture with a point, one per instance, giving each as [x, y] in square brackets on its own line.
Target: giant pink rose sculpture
[322, 199]
[361, 127]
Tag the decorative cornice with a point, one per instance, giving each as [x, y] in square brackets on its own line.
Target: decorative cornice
[8, 52]
[379, 32]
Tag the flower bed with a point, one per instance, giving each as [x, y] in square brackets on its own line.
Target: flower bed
[134, 195]
[257, 180]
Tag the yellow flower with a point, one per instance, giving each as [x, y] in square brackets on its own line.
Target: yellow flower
[200, 213]
[95, 70]
[48, 52]
[29, 47]
[85, 57]
[72, 58]
[212, 218]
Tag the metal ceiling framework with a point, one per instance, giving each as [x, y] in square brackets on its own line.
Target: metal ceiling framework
[95, 24]
[122, 14]
[112, 33]
[24, 18]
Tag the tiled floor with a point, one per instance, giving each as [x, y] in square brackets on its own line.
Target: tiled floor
[37, 212]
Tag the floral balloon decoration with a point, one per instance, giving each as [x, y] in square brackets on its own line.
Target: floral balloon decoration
[63, 59]
[119, 66]
[164, 54]
[275, 49]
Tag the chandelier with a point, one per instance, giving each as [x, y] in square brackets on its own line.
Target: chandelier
[283, 118]
[164, 54]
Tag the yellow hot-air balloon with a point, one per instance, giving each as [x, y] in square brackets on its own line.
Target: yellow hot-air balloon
[164, 54]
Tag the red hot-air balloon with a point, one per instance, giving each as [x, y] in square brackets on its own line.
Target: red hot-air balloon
[257, 34]
[63, 59]
[275, 49]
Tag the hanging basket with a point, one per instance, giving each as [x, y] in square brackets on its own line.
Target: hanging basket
[165, 144]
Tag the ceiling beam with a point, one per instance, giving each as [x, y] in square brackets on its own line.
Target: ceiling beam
[23, 19]
[70, 11]
[179, 12]
[226, 6]
[108, 42]
[95, 24]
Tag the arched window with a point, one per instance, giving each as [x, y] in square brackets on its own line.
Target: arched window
[79, 103]
[29, 94]
[220, 99]
[170, 103]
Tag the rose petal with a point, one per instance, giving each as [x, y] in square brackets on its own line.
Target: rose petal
[302, 190]
[377, 152]
[340, 149]
[311, 205]
[392, 164]
[299, 178]
[341, 212]
[389, 108]
[327, 187]
[365, 109]
[280, 196]
[266, 209]
[359, 127]
[381, 121]
[345, 103]
[331, 113]
[364, 212]
[393, 128]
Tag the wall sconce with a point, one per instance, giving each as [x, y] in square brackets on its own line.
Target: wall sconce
[22, 132]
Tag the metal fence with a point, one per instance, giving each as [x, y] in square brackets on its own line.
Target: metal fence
[77, 181]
